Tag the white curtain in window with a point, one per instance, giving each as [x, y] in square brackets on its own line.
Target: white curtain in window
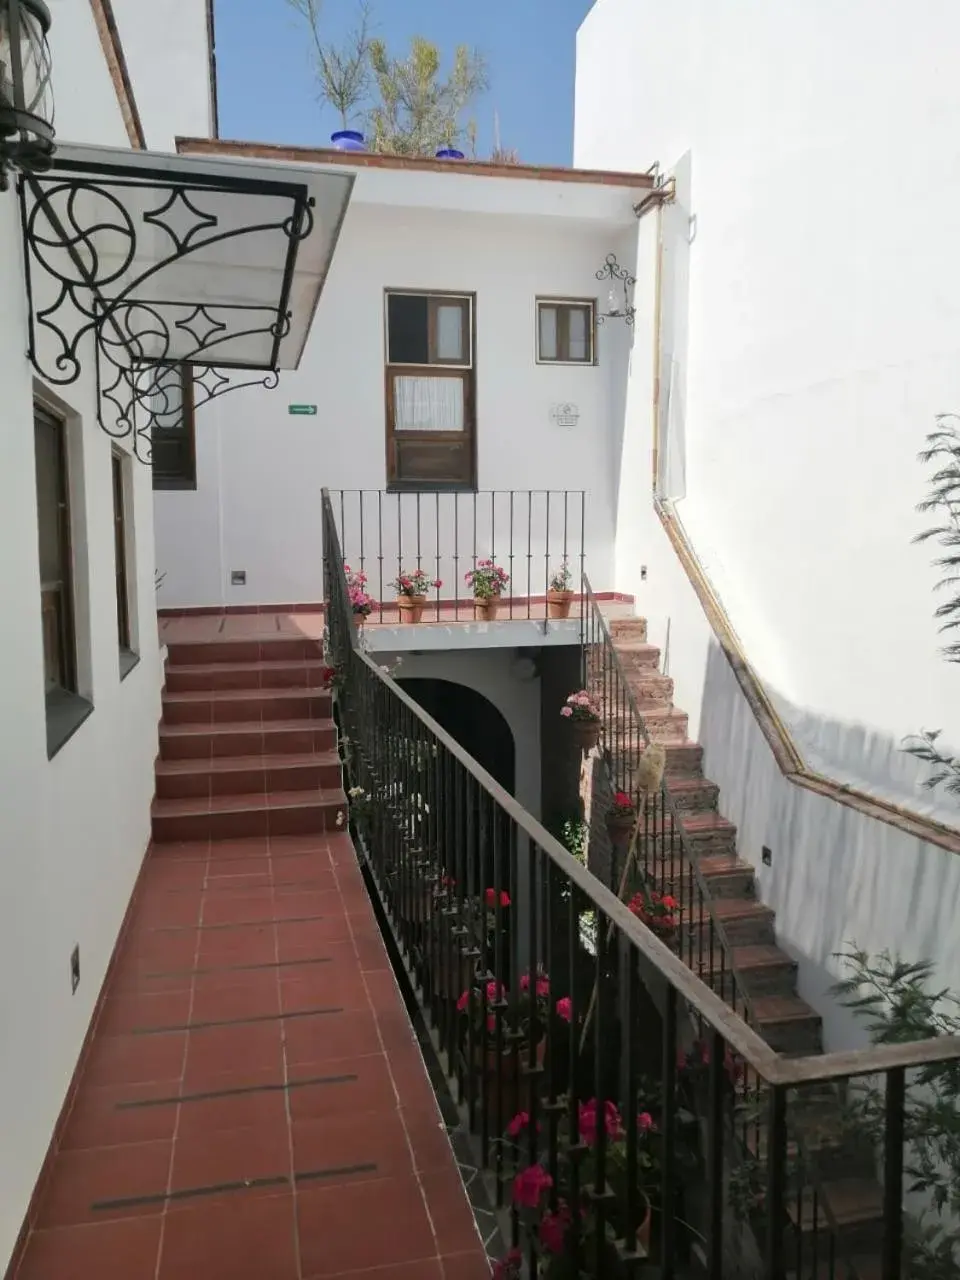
[450, 342]
[166, 400]
[577, 320]
[548, 333]
[427, 404]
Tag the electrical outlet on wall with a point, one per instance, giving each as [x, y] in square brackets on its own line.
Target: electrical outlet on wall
[74, 969]
[238, 577]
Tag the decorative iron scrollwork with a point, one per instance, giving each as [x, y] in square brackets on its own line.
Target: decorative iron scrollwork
[97, 245]
[612, 270]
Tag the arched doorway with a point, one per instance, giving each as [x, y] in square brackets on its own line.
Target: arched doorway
[470, 718]
[483, 850]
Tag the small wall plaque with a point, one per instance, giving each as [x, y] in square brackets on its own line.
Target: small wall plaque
[564, 415]
[303, 410]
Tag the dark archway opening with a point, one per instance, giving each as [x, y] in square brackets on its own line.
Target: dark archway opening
[483, 853]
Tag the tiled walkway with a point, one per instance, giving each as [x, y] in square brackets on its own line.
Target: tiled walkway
[254, 1105]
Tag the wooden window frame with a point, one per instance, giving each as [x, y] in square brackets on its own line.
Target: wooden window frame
[186, 478]
[464, 370]
[118, 470]
[563, 307]
[64, 610]
[435, 299]
[65, 708]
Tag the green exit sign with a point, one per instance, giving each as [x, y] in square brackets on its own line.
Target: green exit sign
[303, 410]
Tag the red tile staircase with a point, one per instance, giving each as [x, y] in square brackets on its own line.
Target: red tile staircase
[851, 1194]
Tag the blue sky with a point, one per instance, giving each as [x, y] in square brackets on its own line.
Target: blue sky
[267, 91]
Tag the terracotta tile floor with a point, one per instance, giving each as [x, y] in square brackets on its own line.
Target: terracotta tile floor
[254, 1105]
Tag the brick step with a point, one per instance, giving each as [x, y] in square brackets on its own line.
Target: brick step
[788, 1024]
[267, 649]
[815, 1134]
[705, 835]
[637, 656]
[763, 970]
[281, 813]
[633, 629]
[725, 875]
[650, 687]
[745, 921]
[227, 706]
[663, 723]
[244, 775]
[284, 674]
[684, 759]
[692, 794]
[855, 1205]
[246, 738]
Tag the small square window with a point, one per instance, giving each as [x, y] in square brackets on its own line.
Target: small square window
[565, 331]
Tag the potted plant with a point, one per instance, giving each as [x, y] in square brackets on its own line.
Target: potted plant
[360, 602]
[411, 589]
[559, 592]
[584, 716]
[545, 1206]
[660, 912]
[488, 1011]
[621, 817]
[487, 582]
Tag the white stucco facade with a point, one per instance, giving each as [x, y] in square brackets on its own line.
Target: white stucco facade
[74, 827]
[260, 470]
[807, 336]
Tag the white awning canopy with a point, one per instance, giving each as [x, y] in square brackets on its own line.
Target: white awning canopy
[170, 259]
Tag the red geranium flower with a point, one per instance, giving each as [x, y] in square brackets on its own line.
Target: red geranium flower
[529, 1185]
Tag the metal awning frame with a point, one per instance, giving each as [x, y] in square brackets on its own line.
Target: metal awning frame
[132, 335]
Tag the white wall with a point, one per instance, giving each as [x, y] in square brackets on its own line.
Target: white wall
[261, 470]
[73, 829]
[808, 338]
[167, 50]
[816, 339]
[85, 100]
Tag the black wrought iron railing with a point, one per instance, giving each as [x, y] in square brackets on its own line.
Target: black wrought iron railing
[531, 534]
[606, 1145]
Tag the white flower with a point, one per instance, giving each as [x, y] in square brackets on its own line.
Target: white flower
[339, 817]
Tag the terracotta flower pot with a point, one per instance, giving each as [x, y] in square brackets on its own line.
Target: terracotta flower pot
[643, 1231]
[558, 604]
[620, 826]
[586, 733]
[411, 607]
[514, 1084]
[485, 608]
